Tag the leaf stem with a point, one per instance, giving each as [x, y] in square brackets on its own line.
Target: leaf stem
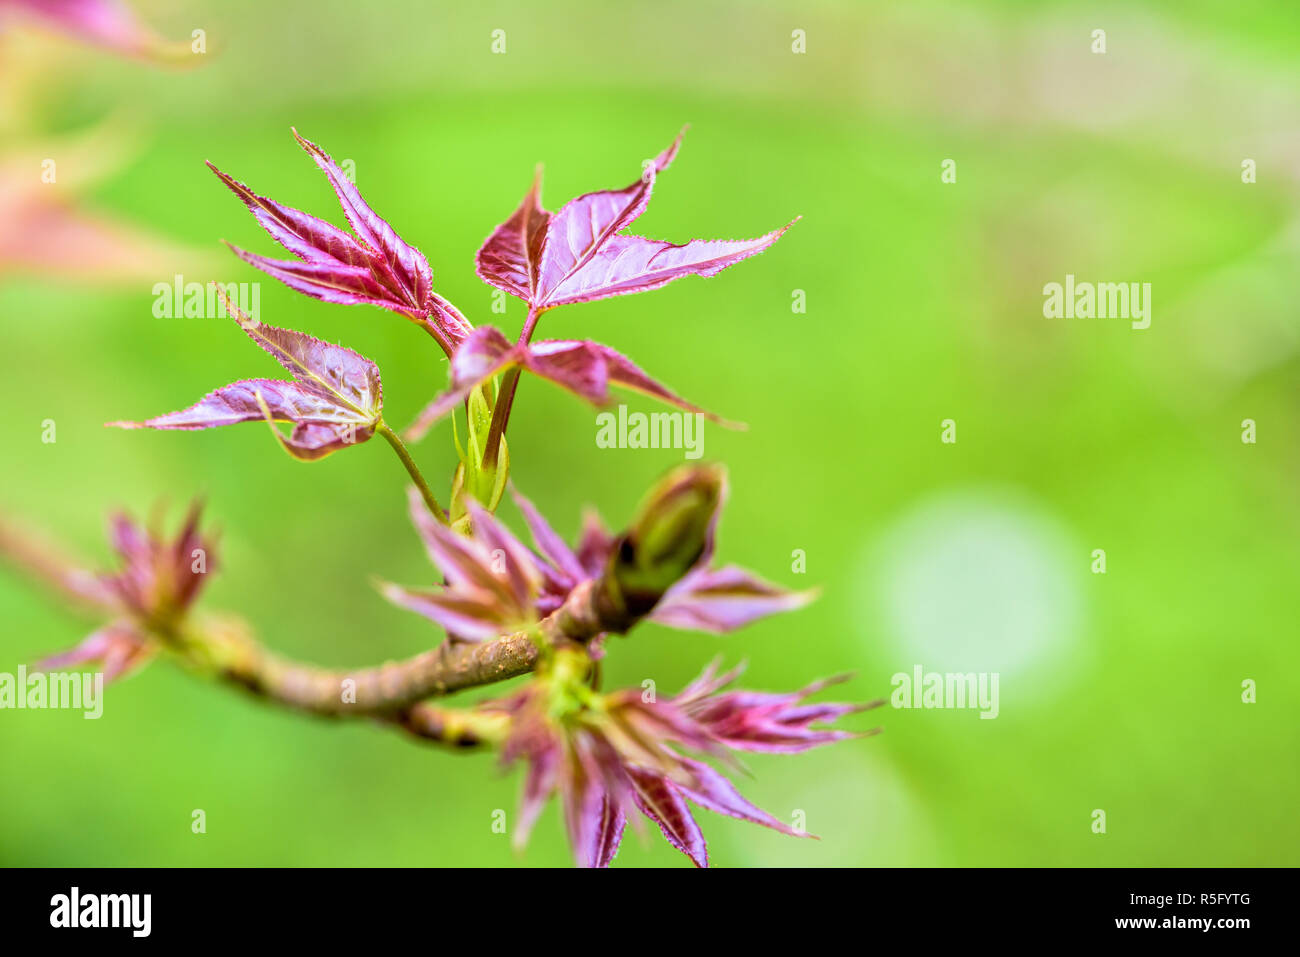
[501, 412]
[413, 470]
[431, 327]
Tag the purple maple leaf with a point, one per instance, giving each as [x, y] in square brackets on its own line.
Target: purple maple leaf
[585, 368]
[118, 648]
[580, 253]
[623, 752]
[335, 399]
[492, 579]
[374, 266]
[761, 721]
[159, 579]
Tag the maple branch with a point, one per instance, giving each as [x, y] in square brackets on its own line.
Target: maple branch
[395, 686]
[663, 543]
[412, 469]
[456, 729]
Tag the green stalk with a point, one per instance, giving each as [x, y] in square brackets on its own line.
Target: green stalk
[413, 470]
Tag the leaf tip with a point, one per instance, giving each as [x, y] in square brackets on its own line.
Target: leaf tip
[802, 599]
[306, 144]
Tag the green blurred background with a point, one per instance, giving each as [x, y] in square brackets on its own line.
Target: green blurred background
[1119, 692]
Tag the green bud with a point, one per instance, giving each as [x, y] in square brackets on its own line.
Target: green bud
[668, 536]
[485, 484]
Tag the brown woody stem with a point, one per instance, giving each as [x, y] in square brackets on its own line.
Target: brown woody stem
[456, 729]
[397, 685]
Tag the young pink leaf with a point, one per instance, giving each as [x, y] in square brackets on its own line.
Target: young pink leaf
[609, 833]
[374, 267]
[327, 281]
[492, 580]
[584, 225]
[538, 785]
[303, 235]
[659, 800]
[510, 557]
[406, 264]
[465, 613]
[116, 647]
[764, 722]
[585, 368]
[707, 683]
[628, 264]
[595, 542]
[548, 542]
[334, 400]
[605, 756]
[593, 816]
[159, 579]
[712, 791]
[724, 599]
[483, 354]
[510, 257]
[580, 253]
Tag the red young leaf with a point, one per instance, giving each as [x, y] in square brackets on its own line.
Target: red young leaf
[608, 755]
[660, 801]
[492, 580]
[334, 401]
[714, 792]
[724, 599]
[159, 579]
[405, 263]
[628, 264]
[549, 543]
[583, 367]
[117, 648]
[509, 257]
[374, 267]
[579, 254]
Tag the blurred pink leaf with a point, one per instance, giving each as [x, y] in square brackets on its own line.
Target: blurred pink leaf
[46, 228]
[724, 599]
[106, 23]
[117, 648]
